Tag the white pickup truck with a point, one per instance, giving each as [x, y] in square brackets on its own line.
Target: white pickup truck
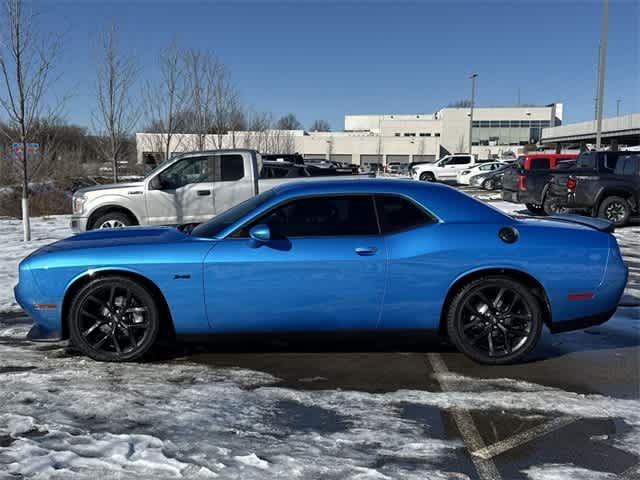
[445, 169]
[190, 188]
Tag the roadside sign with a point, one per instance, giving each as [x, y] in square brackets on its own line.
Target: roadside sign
[33, 150]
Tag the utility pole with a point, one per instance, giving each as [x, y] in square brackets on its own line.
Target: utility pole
[473, 100]
[601, 66]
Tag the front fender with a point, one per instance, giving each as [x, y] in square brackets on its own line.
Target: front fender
[136, 207]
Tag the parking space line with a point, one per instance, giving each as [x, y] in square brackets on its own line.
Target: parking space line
[486, 468]
[523, 437]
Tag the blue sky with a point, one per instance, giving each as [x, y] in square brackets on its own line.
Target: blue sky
[326, 59]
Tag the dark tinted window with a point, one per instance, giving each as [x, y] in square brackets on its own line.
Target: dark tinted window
[228, 168]
[628, 165]
[460, 160]
[320, 217]
[397, 214]
[539, 164]
[218, 223]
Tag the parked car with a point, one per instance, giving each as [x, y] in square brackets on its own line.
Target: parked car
[445, 169]
[603, 184]
[294, 158]
[280, 169]
[189, 188]
[491, 180]
[368, 254]
[464, 176]
[527, 183]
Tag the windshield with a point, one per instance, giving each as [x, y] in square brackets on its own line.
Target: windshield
[220, 222]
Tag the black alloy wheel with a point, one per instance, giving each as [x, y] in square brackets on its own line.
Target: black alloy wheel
[114, 319]
[616, 210]
[495, 320]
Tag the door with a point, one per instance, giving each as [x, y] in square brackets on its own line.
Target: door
[182, 192]
[323, 269]
[454, 165]
[232, 183]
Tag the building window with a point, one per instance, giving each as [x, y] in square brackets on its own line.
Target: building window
[397, 134]
[436, 134]
[425, 134]
[409, 134]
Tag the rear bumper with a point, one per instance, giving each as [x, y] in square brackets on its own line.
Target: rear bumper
[582, 322]
[519, 197]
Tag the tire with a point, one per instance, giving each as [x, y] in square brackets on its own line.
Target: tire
[616, 210]
[112, 219]
[114, 319]
[551, 207]
[427, 177]
[535, 208]
[521, 319]
[489, 184]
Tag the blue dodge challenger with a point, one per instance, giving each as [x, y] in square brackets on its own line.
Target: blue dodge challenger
[356, 255]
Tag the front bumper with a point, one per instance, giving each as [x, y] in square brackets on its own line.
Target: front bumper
[46, 326]
[78, 223]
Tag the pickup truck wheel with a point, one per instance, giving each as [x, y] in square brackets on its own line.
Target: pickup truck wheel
[616, 210]
[535, 208]
[551, 207]
[112, 220]
[427, 177]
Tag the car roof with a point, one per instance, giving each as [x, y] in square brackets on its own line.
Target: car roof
[445, 202]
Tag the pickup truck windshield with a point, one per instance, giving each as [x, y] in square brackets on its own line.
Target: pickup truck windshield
[218, 223]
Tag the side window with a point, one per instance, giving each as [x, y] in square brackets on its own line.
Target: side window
[463, 160]
[228, 168]
[397, 214]
[320, 217]
[484, 168]
[608, 162]
[539, 164]
[186, 171]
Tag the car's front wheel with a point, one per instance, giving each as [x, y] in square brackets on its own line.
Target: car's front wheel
[489, 184]
[113, 219]
[616, 210]
[114, 319]
[494, 320]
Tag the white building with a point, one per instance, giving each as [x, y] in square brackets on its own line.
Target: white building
[381, 139]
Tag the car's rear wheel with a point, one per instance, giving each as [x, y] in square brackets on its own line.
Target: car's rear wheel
[551, 207]
[616, 210]
[427, 177]
[489, 184]
[535, 208]
[114, 319]
[494, 320]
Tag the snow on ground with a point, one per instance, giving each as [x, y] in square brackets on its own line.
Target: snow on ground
[69, 417]
[44, 230]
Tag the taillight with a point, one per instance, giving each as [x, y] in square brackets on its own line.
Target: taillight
[572, 183]
[521, 185]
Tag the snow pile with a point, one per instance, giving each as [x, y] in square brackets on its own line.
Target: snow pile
[555, 471]
[44, 230]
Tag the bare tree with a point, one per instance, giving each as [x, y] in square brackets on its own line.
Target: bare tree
[115, 115]
[26, 62]
[202, 69]
[320, 126]
[237, 123]
[166, 99]
[288, 122]
[225, 100]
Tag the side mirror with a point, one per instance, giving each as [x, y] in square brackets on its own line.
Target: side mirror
[259, 235]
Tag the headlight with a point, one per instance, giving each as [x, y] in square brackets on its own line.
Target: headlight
[78, 203]
[464, 172]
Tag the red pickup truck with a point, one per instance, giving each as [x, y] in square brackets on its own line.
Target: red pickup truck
[526, 182]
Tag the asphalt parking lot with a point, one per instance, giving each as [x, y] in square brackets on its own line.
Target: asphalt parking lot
[375, 406]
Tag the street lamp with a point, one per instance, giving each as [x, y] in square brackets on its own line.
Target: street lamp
[473, 99]
[618, 107]
[602, 57]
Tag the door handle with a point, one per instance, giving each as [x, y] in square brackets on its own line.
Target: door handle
[204, 193]
[366, 251]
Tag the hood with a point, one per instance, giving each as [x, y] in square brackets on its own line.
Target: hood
[109, 186]
[116, 237]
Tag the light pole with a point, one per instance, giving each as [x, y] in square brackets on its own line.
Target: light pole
[601, 64]
[618, 107]
[473, 99]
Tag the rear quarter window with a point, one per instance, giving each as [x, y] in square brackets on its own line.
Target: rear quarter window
[397, 214]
